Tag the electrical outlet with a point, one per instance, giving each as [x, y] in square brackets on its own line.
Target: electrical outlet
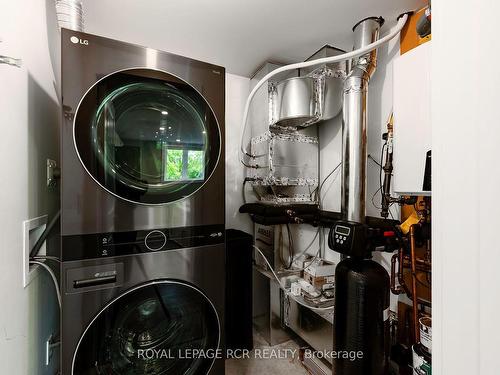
[32, 230]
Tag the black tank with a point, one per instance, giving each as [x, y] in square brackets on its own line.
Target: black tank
[361, 318]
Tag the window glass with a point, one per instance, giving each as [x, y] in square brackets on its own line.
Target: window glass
[173, 166]
[195, 165]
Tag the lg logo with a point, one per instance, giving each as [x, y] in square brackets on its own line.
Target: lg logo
[76, 40]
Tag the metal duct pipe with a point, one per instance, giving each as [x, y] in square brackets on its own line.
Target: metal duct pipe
[70, 14]
[354, 122]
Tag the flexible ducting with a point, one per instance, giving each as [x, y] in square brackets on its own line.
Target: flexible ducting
[326, 60]
[70, 14]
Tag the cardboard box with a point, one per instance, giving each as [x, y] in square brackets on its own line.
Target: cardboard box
[319, 273]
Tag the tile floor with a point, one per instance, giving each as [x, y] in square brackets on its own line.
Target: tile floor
[257, 366]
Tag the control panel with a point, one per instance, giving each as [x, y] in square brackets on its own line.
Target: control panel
[98, 245]
[342, 234]
[360, 240]
[155, 240]
[349, 238]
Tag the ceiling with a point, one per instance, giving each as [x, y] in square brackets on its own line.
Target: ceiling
[238, 34]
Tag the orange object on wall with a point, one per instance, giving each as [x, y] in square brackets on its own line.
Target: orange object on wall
[409, 37]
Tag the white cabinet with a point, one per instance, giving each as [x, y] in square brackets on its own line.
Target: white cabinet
[412, 119]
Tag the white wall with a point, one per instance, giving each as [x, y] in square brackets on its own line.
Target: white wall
[237, 90]
[466, 180]
[29, 117]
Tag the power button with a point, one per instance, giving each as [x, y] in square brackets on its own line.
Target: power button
[155, 240]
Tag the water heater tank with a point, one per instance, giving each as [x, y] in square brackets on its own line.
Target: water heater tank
[361, 317]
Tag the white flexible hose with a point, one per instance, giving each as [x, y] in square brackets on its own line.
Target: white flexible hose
[325, 60]
[53, 276]
[287, 292]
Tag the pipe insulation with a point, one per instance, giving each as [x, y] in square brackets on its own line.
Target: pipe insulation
[326, 60]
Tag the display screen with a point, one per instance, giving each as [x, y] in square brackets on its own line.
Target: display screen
[342, 230]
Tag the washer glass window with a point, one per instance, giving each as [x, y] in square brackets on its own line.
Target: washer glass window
[147, 136]
[151, 330]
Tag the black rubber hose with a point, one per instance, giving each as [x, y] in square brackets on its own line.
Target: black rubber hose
[45, 234]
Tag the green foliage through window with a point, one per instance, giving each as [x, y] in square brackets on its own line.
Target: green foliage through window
[173, 165]
[195, 167]
[184, 164]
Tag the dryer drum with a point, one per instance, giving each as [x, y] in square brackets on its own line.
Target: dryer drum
[152, 330]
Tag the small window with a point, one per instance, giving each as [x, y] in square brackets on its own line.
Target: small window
[184, 164]
[195, 165]
[173, 166]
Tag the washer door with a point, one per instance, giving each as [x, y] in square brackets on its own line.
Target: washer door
[151, 330]
[147, 136]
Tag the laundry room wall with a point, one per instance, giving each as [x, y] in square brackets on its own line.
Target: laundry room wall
[29, 118]
[237, 90]
[330, 139]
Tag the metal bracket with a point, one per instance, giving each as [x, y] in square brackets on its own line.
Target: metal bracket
[53, 173]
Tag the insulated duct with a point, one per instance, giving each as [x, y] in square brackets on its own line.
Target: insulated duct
[354, 134]
[363, 52]
[70, 14]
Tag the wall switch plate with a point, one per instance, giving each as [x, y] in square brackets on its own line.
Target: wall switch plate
[32, 230]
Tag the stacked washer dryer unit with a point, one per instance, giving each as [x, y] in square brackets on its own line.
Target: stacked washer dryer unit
[142, 219]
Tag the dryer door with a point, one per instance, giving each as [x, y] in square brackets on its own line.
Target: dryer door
[147, 136]
[162, 327]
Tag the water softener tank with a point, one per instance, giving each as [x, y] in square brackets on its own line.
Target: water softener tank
[361, 318]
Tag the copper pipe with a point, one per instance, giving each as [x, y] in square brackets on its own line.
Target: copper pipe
[414, 282]
[420, 264]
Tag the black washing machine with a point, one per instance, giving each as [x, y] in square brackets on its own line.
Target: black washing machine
[142, 211]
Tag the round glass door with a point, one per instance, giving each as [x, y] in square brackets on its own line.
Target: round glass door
[147, 136]
[163, 327]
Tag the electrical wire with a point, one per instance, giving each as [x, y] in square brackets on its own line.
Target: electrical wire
[381, 169]
[390, 212]
[318, 189]
[373, 199]
[326, 60]
[290, 247]
[38, 245]
[287, 292]
[374, 160]
[53, 276]
[47, 257]
[308, 246]
[243, 195]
